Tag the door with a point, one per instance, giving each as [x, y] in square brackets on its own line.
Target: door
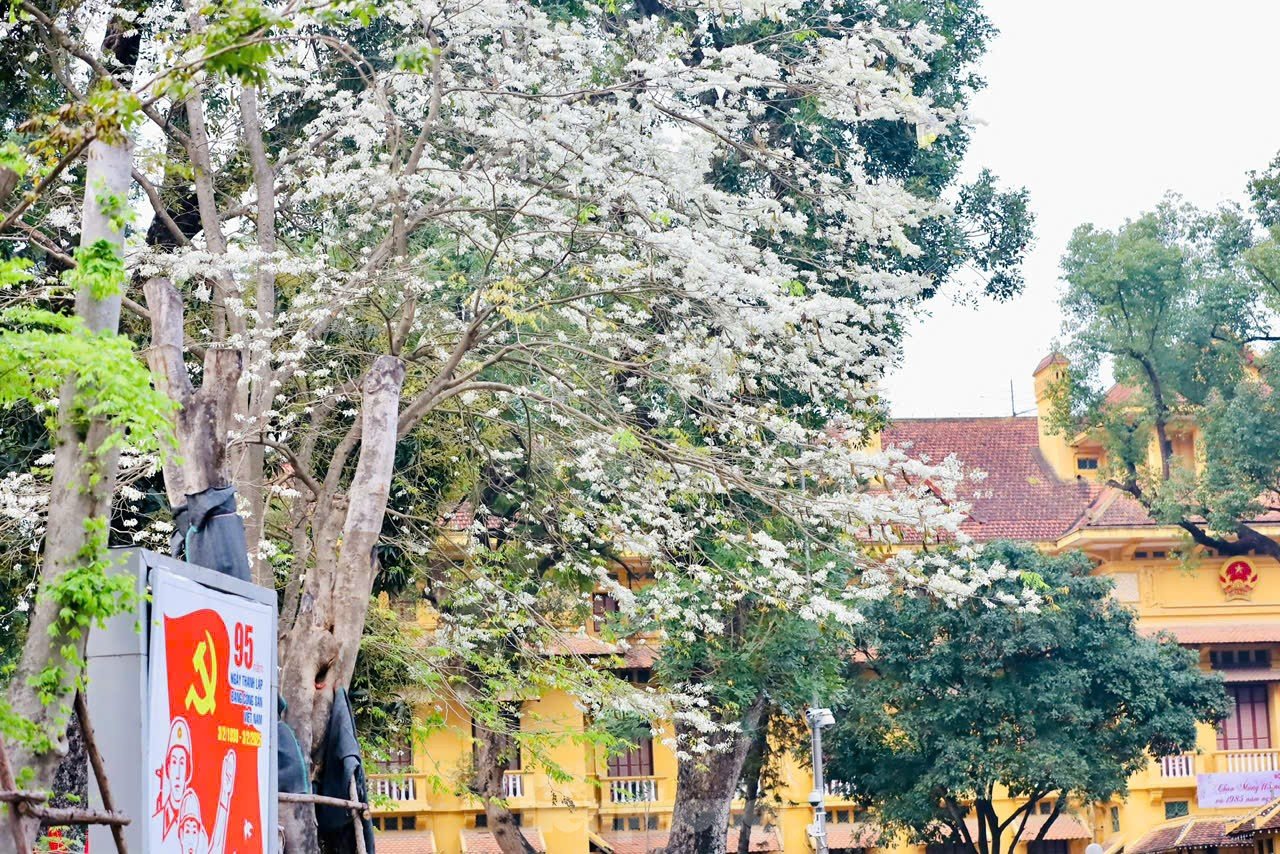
[1248, 727]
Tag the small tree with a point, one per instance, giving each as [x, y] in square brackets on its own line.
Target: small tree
[957, 708]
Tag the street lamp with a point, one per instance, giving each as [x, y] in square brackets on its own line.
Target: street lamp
[818, 718]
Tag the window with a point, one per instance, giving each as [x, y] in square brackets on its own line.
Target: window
[1141, 555]
[1247, 727]
[482, 820]
[391, 823]
[1226, 659]
[399, 760]
[636, 675]
[602, 605]
[409, 822]
[636, 762]
[1045, 807]
[638, 822]
[1048, 846]
[1087, 463]
[1176, 809]
[1115, 819]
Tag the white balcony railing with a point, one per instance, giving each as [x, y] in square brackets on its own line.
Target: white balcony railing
[512, 785]
[1181, 765]
[1248, 760]
[401, 789]
[838, 789]
[633, 790]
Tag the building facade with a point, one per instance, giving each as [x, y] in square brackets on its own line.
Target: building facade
[1039, 487]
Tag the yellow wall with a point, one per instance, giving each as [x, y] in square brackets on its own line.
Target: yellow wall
[1164, 591]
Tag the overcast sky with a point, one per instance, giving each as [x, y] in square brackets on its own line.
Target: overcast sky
[1098, 107]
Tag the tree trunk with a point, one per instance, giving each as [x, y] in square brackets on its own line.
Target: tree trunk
[318, 652]
[8, 183]
[204, 416]
[255, 397]
[84, 476]
[492, 754]
[753, 768]
[705, 786]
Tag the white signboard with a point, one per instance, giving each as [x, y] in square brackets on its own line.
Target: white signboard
[1238, 789]
[210, 741]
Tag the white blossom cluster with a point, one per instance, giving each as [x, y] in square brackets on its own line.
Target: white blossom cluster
[584, 227]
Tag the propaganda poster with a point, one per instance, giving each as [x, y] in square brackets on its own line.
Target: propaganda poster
[210, 741]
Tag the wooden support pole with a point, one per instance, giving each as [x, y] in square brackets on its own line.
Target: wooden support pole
[357, 819]
[299, 798]
[61, 815]
[99, 770]
[15, 808]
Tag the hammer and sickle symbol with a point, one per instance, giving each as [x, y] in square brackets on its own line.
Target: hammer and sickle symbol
[205, 662]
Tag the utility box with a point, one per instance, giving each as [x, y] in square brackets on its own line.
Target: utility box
[182, 698]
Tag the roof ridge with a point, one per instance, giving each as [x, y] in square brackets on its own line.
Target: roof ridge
[1185, 830]
[936, 418]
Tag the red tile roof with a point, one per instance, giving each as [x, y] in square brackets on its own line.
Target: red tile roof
[1064, 827]
[482, 841]
[1250, 674]
[1021, 497]
[581, 644]
[859, 834]
[405, 842]
[763, 841]
[1196, 634]
[1265, 817]
[1118, 395]
[463, 516]
[640, 654]
[1188, 833]
[1051, 359]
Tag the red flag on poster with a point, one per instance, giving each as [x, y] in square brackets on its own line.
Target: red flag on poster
[208, 720]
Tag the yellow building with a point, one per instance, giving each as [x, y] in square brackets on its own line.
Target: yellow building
[1040, 487]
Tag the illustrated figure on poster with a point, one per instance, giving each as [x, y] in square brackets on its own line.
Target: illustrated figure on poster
[191, 836]
[179, 806]
[175, 774]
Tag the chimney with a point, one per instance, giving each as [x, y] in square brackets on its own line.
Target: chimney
[1059, 454]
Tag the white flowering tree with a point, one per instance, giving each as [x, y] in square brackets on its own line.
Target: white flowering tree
[372, 216]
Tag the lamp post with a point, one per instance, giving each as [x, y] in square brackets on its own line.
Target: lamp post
[818, 718]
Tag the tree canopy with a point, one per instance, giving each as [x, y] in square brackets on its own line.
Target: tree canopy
[952, 707]
[1179, 305]
[623, 277]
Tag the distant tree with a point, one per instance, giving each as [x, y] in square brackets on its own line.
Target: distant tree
[1179, 304]
[950, 709]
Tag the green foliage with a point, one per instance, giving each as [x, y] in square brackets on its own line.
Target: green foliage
[99, 268]
[1176, 303]
[87, 595]
[955, 701]
[237, 40]
[13, 159]
[40, 350]
[395, 666]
